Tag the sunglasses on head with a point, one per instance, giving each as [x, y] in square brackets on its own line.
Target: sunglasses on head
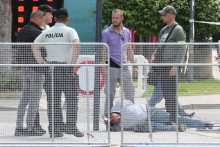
[122, 38]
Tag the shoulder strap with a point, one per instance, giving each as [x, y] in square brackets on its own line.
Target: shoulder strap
[170, 32]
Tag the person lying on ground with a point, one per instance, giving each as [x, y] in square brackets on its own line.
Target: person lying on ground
[135, 118]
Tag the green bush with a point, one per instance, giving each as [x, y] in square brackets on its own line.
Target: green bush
[143, 16]
[11, 82]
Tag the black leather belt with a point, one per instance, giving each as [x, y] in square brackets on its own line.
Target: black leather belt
[56, 62]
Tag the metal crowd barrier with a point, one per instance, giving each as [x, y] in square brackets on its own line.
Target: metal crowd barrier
[90, 107]
[197, 84]
[198, 91]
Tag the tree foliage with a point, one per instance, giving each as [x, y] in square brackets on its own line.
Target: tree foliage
[143, 16]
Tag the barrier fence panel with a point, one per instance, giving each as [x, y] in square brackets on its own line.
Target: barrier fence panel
[181, 105]
[56, 95]
[195, 89]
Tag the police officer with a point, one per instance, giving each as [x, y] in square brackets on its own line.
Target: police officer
[64, 79]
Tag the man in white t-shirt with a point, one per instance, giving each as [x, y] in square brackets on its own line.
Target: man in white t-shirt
[64, 79]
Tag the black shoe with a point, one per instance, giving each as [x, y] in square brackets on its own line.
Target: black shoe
[57, 134]
[209, 125]
[20, 132]
[181, 128]
[39, 129]
[106, 125]
[62, 128]
[32, 132]
[190, 114]
[74, 131]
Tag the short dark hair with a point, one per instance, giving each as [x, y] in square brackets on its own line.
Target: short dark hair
[61, 19]
[118, 11]
[62, 13]
[46, 8]
[111, 122]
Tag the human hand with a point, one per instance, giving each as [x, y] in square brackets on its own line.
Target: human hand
[105, 72]
[173, 71]
[152, 59]
[216, 58]
[135, 71]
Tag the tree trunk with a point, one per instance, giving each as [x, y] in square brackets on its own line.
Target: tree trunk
[5, 33]
[202, 54]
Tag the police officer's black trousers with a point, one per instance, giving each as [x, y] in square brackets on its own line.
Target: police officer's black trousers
[169, 92]
[68, 83]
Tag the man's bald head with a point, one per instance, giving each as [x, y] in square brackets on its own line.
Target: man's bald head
[37, 17]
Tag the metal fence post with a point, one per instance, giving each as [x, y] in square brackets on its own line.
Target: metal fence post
[177, 122]
[148, 107]
[97, 69]
[52, 90]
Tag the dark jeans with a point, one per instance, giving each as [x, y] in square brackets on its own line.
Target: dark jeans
[169, 91]
[68, 83]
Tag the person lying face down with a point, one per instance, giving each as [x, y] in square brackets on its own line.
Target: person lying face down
[135, 119]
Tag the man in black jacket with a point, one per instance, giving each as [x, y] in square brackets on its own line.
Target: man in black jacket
[33, 78]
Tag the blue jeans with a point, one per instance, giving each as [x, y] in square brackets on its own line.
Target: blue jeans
[158, 96]
[160, 118]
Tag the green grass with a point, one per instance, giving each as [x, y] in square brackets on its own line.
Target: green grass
[199, 87]
[10, 95]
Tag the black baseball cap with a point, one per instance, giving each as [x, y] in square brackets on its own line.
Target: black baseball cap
[168, 9]
[46, 8]
[61, 13]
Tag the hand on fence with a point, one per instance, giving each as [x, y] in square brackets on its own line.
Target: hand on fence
[135, 71]
[173, 71]
[216, 58]
[105, 72]
[152, 59]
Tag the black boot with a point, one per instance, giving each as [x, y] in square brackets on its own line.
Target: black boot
[73, 130]
[190, 114]
[57, 132]
[209, 125]
[39, 129]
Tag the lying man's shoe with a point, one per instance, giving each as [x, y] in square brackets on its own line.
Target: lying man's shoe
[209, 125]
[190, 114]
[181, 128]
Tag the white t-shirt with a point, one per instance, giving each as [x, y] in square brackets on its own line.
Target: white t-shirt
[45, 28]
[59, 33]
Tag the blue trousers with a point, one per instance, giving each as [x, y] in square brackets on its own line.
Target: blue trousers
[158, 96]
[160, 118]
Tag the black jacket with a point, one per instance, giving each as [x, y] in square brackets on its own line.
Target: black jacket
[27, 34]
